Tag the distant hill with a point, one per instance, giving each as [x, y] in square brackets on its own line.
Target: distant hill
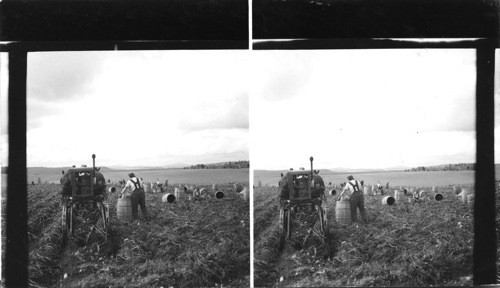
[221, 165]
[445, 167]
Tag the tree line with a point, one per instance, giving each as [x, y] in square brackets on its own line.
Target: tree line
[448, 167]
[224, 165]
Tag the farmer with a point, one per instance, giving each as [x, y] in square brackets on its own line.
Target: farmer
[357, 198]
[138, 196]
[318, 189]
[380, 188]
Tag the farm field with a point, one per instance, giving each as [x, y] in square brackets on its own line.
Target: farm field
[204, 243]
[421, 244]
[175, 176]
[397, 178]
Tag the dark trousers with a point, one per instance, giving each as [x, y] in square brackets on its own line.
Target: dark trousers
[139, 198]
[357, 201]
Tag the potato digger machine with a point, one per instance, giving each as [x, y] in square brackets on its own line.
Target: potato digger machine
[83, 188]
[300, 193]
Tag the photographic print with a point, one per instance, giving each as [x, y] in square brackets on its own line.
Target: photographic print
[386, 132]
[138, 168]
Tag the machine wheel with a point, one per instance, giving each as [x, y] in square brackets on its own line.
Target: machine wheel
[64, 224]
[322, 218]
[287, 221]
[282, 228]
[71, 220]
[325, 218]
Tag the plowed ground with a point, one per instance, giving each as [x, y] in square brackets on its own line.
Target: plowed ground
[421, 244]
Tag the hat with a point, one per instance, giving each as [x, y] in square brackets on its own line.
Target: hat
[131, 175]
[350, 177]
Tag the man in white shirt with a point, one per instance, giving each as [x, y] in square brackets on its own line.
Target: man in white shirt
[354, 188]
[137, 196]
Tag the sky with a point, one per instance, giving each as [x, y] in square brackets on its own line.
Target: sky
[357, 109]
[363, 109]
[136, 108]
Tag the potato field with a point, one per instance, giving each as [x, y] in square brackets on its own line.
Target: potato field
[201, 243]
[421, 244]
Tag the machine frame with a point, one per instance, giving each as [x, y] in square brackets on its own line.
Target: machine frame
[299, 185]
[83, 194]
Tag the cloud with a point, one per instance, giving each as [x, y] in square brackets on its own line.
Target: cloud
[54, 76]
[229, 113]
[282, 77]
[39, 110]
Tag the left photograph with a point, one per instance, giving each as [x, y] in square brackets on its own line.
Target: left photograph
[138, 169]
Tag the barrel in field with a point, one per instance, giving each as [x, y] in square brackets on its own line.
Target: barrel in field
[367, 191]
[219, 195]
[168, 198]
[399, 196]
[124, 209]
[179, 194]
[215, 187]
[422, 195]
[435, 189]
[438, 197]
[343, 212]
[238, 187]
[388, 200]
[147, 187]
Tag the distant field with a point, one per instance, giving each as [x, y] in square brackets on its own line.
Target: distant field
[175, 176]
[440, 178]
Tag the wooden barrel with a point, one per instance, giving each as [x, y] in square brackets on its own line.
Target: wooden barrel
[399, 196]
[346, 198]
[238, 187]
[343, 212]
[367, 191]
[388, 200]
[148, 187]
[179, 194]
[244, 194]
[435, 190]
[470, 201]
[438, 197]
[124, 209]
[215, 187]
[219, 194]
[422, 195]
[168, 198]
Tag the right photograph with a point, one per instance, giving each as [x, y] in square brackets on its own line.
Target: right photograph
[363, 167]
